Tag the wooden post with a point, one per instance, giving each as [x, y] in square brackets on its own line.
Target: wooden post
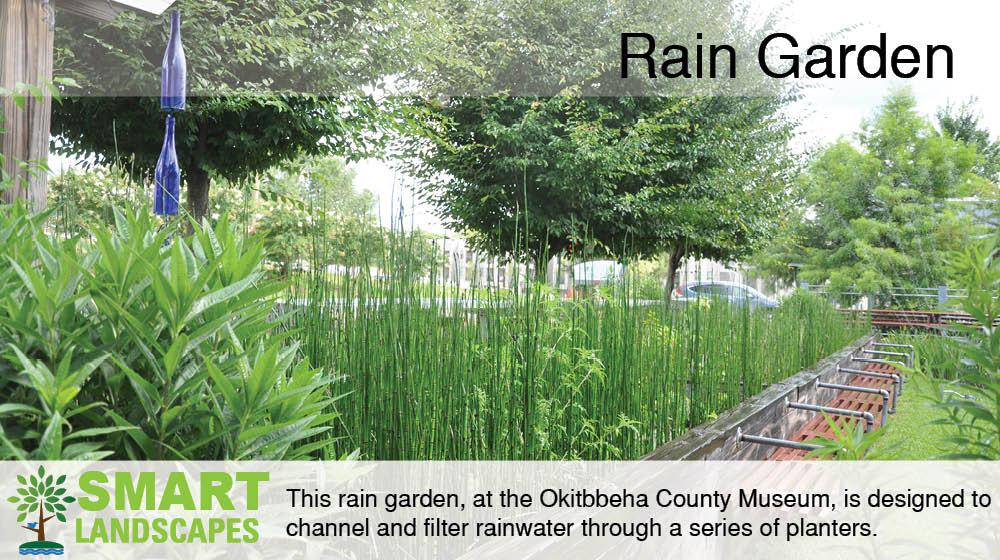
[26, 34]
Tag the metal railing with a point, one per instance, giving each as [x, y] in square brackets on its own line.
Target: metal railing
[889, 399]
[940, 295]
[868, 417]
[858, 389]
[897, 381]
[878, 361]
[909, 358]
[775, 442]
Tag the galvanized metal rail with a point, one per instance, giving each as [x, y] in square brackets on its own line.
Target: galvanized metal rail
[897, 381]
[857, 389]
[878, 361]
[861, 408]
[891, 345]
[776, 442]
[868, 417]
[908, 356]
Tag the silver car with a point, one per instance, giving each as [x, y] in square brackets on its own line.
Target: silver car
[730, 291]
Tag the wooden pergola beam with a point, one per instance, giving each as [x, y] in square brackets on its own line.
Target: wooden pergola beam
[106, 10]
[102, 10]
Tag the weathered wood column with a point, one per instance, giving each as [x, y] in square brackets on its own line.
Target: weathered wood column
[26, 34]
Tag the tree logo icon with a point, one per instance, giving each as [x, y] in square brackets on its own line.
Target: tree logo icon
[42, 494]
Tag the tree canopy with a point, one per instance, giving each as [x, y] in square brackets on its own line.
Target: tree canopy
[962, 122]
[311, 200]
[885, 210]
[552, 151]
[268, 81]
[621, 176]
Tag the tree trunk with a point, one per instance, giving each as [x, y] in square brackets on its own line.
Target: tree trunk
[41, 523]
[198, 183]
[26, 34]
[673, 263]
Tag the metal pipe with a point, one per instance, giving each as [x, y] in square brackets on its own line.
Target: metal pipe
[909, 355]
[867, 390]
[891, 345]
[868, 416]
[897, 381]
[877, 361]
[885, 353]
[762, 440]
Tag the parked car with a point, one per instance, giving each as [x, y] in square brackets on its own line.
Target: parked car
[730, 291]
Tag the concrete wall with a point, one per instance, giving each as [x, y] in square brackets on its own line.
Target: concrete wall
[764, 415]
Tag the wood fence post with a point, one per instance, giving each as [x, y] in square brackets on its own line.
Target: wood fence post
[26, 42]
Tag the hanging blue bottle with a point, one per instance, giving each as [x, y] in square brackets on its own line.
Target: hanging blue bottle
[173, 77]
[167, 188]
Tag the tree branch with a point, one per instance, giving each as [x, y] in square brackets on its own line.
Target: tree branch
[47, 518]
[29, 528]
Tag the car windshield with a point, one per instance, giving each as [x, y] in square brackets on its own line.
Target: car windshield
[732, 291]
[710, 290]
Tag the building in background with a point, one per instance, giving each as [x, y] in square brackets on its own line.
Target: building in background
[463, 267]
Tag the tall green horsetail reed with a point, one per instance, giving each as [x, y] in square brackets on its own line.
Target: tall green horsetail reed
[435, 371]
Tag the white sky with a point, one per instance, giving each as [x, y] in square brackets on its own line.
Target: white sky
[967, 26]
[151, 6]
[834, 107]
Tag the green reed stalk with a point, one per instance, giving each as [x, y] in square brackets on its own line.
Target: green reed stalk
[434, 371]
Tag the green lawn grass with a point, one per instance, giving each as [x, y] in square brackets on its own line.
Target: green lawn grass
[910, 434]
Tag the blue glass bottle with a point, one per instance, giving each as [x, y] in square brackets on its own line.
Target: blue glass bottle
[173, 78]
[167, 188]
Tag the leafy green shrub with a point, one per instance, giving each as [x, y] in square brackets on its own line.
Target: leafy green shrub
[79, 198]
[849, 442]
[972, 400]
[147, 344]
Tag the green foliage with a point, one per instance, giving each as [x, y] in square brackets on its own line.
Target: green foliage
[269, 81]
[43, 494]
[215, 137]
[438, 372]
[307, 212]
[80, 198]
[972, 400]
[145, 344]
[962, 123]
[538, 147]
[914, 432]
[647, 277]
[621, 176]
[314, 198]
[879, 214]
[934, 356]
[850, 442]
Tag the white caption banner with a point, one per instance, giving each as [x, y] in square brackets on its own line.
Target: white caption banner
[478, 510]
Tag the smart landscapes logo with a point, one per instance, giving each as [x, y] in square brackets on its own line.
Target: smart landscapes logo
[42, 497]
[140, 508]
